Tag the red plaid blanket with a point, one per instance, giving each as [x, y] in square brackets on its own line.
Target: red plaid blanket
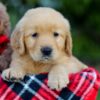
[3, 42]
[83, 86]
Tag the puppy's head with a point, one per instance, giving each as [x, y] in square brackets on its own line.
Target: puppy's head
[44, 34]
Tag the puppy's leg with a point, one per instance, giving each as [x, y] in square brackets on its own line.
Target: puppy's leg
[58, 77]
[15, 72]
[19, 67]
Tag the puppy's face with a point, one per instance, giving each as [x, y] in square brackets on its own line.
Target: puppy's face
[44, 36]
[45, 40]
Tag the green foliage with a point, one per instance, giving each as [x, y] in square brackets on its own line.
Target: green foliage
[98, 98]
[76, 7]
[84, 16]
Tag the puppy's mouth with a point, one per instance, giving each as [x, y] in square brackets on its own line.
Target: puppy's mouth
[42, 58]
[46, 59]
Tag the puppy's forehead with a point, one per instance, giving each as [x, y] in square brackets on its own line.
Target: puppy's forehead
[45, 18]
[42, 11]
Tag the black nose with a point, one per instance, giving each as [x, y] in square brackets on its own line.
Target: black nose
[46, 51]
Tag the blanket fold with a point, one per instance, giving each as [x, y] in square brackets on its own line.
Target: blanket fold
[83, 85]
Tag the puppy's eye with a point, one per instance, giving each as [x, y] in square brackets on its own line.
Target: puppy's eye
[34, 34]
[56, 34]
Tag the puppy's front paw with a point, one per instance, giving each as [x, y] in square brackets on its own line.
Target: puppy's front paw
[57, 80]
[12, 74]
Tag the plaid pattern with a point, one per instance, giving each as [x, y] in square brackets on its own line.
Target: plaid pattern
[83, 86]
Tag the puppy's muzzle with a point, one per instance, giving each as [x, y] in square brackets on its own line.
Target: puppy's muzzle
[46, 51]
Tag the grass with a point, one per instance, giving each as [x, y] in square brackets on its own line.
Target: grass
[98, 98]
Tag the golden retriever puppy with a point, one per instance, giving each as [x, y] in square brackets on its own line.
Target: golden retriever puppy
[42, 42]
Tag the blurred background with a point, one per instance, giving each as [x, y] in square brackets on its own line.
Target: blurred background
[84, 16]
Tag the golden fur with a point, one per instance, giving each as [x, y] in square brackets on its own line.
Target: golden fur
[27, 57]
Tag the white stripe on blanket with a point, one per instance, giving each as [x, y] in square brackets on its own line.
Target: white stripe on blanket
[79, 85]
[93, 74]
[26, 87]
[6, 92]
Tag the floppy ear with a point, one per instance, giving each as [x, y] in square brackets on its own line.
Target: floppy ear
[68, 45]
[17, 41]
[68, 41]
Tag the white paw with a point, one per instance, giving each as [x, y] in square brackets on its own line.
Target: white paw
[12, 75]
[58, 80]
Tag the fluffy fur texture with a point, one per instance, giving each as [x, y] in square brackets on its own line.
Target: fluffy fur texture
[39, 28]
[4, 21]
[5, 57]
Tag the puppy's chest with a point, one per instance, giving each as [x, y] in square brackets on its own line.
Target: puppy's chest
[41, 68]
